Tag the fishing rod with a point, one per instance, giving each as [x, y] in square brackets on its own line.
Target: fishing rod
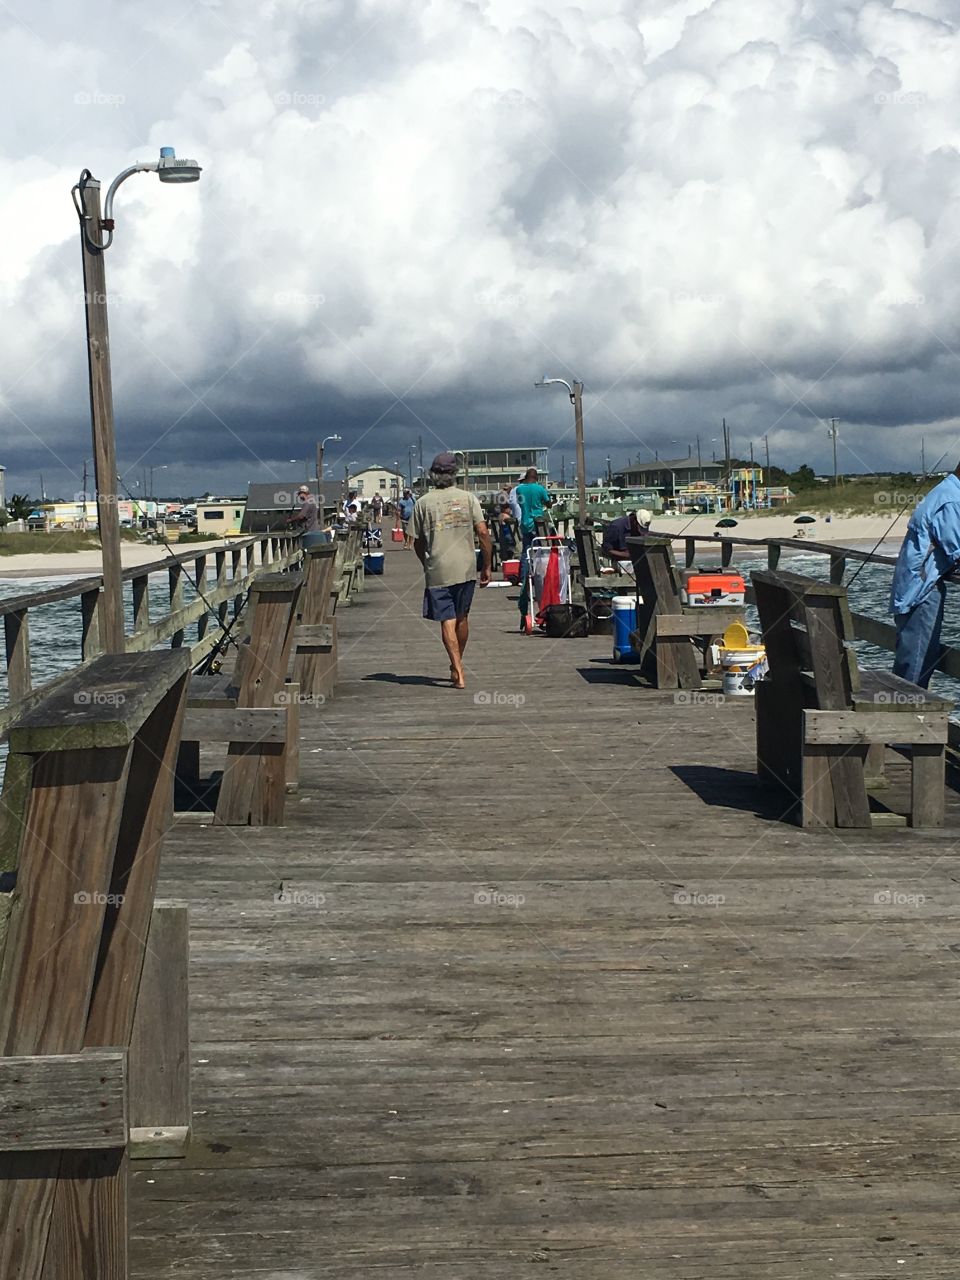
[206, 662]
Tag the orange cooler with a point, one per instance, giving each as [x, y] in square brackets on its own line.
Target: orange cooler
[721, 588]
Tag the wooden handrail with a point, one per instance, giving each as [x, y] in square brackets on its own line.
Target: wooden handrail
[234, 577]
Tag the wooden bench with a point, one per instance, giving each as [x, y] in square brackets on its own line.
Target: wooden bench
[315, 638]
[93, 1026]
[667, 629]
[255, 710]
[349, 564]
[823, 724]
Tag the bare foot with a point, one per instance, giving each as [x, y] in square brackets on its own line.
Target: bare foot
[457, 679]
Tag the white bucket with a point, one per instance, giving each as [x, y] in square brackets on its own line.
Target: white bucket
[737, 665]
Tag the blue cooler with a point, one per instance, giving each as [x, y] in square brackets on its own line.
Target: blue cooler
[373, 562]
[624, 621]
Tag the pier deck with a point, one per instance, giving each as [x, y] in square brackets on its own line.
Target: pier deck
[700, 1046]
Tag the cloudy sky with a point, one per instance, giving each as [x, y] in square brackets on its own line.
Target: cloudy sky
[411, 211]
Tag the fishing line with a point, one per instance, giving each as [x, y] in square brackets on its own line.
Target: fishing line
[207, 661]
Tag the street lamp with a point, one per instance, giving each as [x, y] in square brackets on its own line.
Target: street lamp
[93, 227]
[575, 392]
[320, 447]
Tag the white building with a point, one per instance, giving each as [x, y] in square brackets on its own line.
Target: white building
[375, 479]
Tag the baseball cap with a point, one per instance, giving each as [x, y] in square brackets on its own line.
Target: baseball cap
[444, 464]
[643, 515]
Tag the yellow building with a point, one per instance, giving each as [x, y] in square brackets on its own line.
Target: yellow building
[221, 517]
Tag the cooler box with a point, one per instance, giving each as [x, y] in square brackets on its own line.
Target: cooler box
[624, 621]
[511, 569]
[373, 562]
[713, 587]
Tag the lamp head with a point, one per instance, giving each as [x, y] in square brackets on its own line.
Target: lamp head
[170, 169]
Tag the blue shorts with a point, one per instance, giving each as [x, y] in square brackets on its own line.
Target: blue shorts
[441, 604]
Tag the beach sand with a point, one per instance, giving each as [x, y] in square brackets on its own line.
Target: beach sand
[844, 531]
[83, 564]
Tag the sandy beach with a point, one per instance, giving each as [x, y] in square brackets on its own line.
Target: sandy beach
[82, 564]
[845, 531]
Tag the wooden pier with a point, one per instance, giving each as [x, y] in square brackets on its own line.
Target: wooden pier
[535, 982]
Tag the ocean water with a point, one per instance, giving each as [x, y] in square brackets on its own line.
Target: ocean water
[55, 628]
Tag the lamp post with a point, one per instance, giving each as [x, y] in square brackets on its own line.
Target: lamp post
[320, 448]
[96, 236]
[575, 391]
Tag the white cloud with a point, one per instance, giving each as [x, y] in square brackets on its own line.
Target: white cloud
[668, 199]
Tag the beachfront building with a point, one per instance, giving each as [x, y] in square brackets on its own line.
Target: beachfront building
[488, 470]
[223, 516]
[268, 505]
[669, 475]
[376, 479]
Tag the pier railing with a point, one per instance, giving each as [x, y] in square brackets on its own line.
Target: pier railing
[220, 575]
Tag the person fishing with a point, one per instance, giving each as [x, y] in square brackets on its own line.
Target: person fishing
[929, 552]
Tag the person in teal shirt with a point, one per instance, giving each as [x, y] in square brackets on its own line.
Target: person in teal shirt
[534, 500]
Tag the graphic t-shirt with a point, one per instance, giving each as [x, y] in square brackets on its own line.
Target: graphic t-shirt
[445, 519]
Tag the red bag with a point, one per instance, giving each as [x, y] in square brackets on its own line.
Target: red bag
[396, 535]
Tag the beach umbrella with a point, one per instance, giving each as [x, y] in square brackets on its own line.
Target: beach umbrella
[805, 519]
[727, 522]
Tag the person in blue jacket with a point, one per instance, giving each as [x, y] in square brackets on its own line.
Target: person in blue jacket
[930, 550]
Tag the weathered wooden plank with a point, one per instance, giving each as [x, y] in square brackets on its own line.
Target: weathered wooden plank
[63, 1100]
[160, 1040]
[235, 724]
[836, 727]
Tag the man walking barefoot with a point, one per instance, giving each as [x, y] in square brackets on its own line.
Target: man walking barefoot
[444, 523]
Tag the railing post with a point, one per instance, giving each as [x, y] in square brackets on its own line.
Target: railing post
[200, 582]
[91, 639]
[235, 556]
[838, 567]
[176, 600]
[16, 630]
[224, 605]
[689, 552]
[726, 552]
[773, 554]
[141, 604]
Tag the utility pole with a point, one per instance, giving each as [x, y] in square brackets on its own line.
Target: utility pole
[766, 445]
[726, 447]
[83, 518]
[923, 458]
[609, 472]
[101, 417]
[699, 460]
[563, 471]
[833, 431]
[420, 445]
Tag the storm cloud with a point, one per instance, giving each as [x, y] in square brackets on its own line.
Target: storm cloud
[745, 208]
